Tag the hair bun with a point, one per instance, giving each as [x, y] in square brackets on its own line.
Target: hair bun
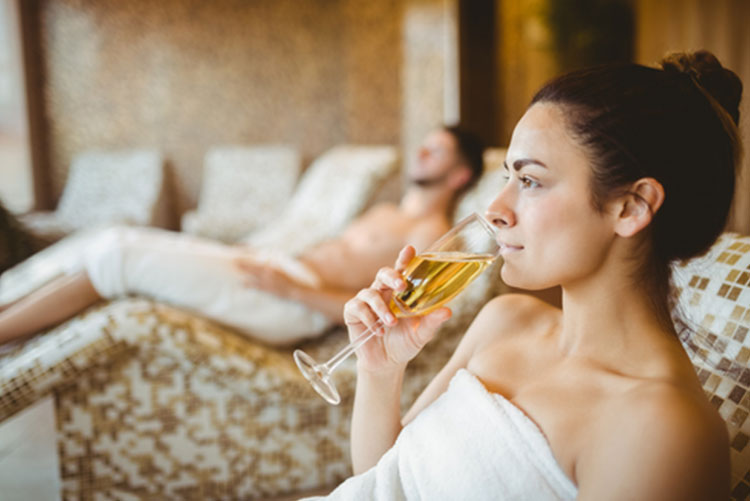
[722, 84]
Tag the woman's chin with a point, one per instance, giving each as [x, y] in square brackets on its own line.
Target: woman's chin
[513, 278]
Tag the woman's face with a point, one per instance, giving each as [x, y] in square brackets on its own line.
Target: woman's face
[550, 232]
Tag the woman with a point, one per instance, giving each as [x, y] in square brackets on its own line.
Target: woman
[614, 172]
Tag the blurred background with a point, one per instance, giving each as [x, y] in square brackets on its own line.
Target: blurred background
[182, 76]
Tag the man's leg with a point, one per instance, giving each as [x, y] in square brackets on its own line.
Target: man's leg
[51, 304]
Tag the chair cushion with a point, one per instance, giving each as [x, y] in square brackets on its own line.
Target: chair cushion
[243, 188]
[711, 311]
[333, 190]
[112, 186]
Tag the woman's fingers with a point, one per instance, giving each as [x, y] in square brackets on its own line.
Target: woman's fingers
[433, 320]
[388, 278]
[357, 312]
[376, 303]
[406, 255]
[425, 327]
[391, 278]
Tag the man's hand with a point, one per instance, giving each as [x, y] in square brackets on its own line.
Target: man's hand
[266, 278]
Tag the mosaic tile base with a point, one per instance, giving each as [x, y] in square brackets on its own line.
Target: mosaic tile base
[189, 410]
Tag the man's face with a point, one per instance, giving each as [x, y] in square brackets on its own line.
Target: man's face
[436, 159]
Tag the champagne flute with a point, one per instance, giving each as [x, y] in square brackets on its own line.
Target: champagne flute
[432, 278]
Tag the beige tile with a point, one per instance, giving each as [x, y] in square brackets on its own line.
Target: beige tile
[28, 454]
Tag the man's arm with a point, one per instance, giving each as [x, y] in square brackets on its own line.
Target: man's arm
[327, 300]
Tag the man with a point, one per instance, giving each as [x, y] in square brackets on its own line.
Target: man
[279, 300]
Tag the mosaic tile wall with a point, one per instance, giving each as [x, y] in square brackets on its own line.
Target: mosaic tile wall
[713, 318]
[185, 75]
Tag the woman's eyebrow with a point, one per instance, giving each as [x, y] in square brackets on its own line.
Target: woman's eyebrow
[522, 162]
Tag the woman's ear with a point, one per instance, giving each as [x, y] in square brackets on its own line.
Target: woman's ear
[638, 206]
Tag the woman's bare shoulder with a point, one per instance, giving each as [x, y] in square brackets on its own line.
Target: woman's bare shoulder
[510, 311]
[498, 319]
[660, 438]
[508, 316]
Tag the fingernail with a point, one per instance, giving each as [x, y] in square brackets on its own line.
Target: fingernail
[390, 319]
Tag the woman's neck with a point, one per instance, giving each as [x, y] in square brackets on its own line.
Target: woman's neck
[611, 320]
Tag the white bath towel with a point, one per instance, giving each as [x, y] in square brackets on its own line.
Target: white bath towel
[202, 276]
[469, 444]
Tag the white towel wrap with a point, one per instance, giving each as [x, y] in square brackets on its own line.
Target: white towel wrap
[469, 444]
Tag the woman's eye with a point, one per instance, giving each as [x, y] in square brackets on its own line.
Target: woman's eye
[527, 182]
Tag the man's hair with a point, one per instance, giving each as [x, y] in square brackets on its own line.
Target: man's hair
[470, 149]
[16, 241]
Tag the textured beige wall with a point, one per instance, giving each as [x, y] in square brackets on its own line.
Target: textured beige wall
[185, 75]
[430, 71]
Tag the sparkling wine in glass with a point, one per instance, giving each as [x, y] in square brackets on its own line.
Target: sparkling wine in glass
[432, 278]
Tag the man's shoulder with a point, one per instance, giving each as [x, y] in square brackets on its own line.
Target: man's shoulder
[424, 231]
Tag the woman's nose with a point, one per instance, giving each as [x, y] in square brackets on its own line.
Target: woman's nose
[499, 212]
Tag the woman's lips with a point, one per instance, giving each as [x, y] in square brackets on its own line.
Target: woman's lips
[508, 248]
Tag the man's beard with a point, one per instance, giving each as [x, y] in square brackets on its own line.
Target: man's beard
[430, 182]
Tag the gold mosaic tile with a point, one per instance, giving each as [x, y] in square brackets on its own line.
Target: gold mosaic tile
[715, 337]
[194, 408]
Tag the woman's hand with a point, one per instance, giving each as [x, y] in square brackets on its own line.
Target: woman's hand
[401, 339]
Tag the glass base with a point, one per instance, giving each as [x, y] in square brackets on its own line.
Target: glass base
[317, 376]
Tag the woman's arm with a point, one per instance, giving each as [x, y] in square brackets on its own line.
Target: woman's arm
[381, 362]
[376, 418]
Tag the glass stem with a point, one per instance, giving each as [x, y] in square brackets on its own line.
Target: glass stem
[339, 357]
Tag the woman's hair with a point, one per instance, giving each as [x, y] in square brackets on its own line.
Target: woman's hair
[676, 124]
